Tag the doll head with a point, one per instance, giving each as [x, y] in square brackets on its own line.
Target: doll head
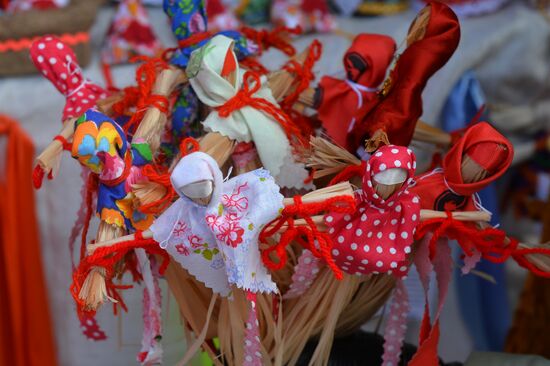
[368, 58]
[482, 160]
[389, 171]
[478, 158]
[197, 178]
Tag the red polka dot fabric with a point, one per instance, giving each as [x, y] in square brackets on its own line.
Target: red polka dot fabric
[377, 238]
[57, 62]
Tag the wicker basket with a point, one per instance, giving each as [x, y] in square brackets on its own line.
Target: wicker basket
[17, 31]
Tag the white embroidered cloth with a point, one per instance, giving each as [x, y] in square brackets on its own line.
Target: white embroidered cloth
[218, 243]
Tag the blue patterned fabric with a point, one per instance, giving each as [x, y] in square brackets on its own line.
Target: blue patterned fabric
[484, 306]
[188, 17]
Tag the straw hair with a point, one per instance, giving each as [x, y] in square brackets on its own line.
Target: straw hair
[281, 82]
[94, 290]
[423, 132]
[378, 138]
[151, 126]
[328, 158]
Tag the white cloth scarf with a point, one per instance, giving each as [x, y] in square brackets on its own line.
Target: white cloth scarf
[245, 124]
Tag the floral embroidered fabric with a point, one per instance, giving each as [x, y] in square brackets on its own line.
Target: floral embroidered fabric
[218, 243]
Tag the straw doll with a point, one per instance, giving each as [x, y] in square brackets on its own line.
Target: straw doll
[57, 62]
[100, 144]
[243, 109]
[431, 41]
[337, 101]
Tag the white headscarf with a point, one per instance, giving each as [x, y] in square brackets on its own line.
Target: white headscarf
[245, 124]
[218, 242]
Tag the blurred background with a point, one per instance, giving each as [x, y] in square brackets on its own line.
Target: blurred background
[502, 63]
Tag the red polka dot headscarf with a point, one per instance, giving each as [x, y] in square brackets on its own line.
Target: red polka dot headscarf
[57, 62]
[377, 238]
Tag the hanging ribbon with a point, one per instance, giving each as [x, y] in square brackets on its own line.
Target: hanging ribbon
[252, 344]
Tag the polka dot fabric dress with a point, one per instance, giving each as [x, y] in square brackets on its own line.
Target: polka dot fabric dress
[377, 238]
[57, 62]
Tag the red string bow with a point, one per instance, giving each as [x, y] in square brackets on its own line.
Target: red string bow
[276, 38]
[490, 242]
[141, 97]
[58, 63]
[303, 73]
[245, 98]
[107, 258]
[308, 236]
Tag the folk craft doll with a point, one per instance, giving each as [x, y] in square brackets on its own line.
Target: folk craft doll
[378, 237]
[431, 41]
[57, 62]
[129, 35]
[189, 23]
[479, 157]
[337, 101]
[212, 229]
[244, 109]
[310, 15]
[100, 144]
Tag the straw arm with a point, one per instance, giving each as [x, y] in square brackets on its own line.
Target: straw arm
[49, 158]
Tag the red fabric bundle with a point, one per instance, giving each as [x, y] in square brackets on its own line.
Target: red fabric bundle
[398, 111]
[445, 190]
[338, 101]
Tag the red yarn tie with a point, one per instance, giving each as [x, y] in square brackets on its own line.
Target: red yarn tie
[244, 98]
[308, 236]
[140, 97]
[349, 172]
[490, 242]
[304, 73]
[107, 258]
[266, 39]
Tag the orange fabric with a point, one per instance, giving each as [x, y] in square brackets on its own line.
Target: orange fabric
[26, 334]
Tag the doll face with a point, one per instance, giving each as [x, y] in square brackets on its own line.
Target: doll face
[389, 181]
[355, 65]
[418, 26]
[199, 192]
[471, 171]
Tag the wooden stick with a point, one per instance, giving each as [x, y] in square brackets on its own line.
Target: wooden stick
[425, 133]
